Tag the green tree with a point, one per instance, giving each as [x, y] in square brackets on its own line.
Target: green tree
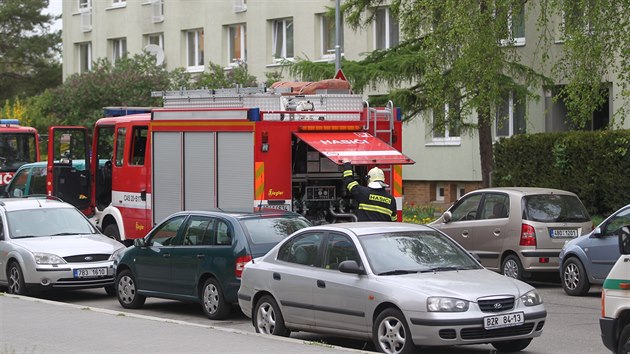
[460, 54]
[29, 50]
[217, 77]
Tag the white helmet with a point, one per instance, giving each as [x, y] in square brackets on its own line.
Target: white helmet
[376, 177]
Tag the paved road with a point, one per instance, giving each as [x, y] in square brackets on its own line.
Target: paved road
[38, 326]
[572, 323]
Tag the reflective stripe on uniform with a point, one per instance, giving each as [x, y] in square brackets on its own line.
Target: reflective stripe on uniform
[347, 173]
[376, 208]
[352, 185]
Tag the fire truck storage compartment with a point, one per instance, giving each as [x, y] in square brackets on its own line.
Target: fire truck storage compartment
[201, 171]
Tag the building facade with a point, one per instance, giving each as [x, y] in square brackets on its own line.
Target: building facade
[264, 33]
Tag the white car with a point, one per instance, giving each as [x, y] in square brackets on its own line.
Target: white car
[399, 285]
[48, 244]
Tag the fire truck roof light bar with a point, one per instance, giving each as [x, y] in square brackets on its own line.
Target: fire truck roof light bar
[9, 121]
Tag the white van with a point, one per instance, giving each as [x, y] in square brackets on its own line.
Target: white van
[615, 321]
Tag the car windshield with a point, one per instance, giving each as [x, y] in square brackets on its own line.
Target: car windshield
[412, 252]
[273, 230]
[44, 222]
[555, 208]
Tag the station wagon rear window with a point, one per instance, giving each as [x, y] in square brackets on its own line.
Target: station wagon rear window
[272, 230]
[554, 208]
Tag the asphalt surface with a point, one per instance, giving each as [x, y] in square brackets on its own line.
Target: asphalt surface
[38, 326]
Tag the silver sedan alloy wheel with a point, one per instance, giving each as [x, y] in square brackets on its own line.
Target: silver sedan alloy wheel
[266, 318]
[510, 269]
[391, 335]
[15, 280]
[211, 299]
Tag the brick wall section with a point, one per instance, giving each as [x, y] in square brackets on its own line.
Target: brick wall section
[423, 192]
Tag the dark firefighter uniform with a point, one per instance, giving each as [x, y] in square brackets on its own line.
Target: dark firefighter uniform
[374, 203]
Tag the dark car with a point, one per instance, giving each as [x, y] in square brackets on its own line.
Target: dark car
[199, 256]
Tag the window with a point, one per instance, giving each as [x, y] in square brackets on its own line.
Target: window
[439, 192]
[119, 3]
[446, 122]
[328, 35]
[18, 186]
[510, 116]
[302, 249]
[194, 50]
[155, 39]
[460, 191]
[120, 146]
[613, 224]
[138, 147]
[240, 5]
[224, 233]
[282, 38]
[85, 57]
[119, 49]
[166, 234]
[338, 249]
[237, 50]
[516, 24]
[386, 29]
[157, 11]
[576, 17]
[466, 209]
[199, 231]
[85, 5]
[495, 206]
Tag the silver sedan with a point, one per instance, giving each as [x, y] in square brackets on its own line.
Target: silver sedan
[399, 285]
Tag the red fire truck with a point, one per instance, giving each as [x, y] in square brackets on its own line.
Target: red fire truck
[237, 149]
[18, 145]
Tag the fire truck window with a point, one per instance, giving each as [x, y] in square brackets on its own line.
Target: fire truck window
[120, 146]
[139, 146]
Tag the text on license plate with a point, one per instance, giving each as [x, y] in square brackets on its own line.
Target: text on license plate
[564, 233]
[506, 320]
[90, 272]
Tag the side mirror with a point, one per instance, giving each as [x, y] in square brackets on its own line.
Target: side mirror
[139, 242]
[447, 216]
[351, 267]
[624, 239]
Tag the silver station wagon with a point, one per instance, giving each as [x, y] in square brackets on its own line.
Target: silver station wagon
[516, 231]
[399, 285]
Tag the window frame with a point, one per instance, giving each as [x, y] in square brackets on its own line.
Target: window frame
[446, 138]
[513, 104]
[119, 49]
[323, 33]
[387, 27]
[198, 50]
[87, 62]
[232, 38]
[284, 24]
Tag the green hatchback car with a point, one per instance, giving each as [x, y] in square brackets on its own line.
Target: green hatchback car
[198, 256]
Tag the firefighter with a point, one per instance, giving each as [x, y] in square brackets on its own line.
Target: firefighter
[374, 202]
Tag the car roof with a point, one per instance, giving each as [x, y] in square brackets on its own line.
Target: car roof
[240, 214]
[524, 190]
[370, 227]
[12, 204]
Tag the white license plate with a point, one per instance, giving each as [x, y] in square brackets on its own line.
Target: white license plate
[90, 272]
[564, 233]
[286, 207]
[507, 320]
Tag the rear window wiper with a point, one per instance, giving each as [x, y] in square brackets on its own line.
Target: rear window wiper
[398, 272]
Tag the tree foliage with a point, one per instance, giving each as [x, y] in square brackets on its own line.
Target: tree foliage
[462, 54]
[29, 50]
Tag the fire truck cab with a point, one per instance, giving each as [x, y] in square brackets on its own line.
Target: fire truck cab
[240, 149]
[18, 145]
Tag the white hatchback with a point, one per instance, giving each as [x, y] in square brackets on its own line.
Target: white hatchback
[48, 244]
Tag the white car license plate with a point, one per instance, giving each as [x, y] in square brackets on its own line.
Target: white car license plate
[564, 233]
[90, 272]
[506, 320]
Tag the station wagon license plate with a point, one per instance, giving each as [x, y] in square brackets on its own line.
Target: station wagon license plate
[506, 320]
[564, 233]
[90, 272]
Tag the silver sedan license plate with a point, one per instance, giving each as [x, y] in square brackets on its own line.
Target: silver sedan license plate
[90, 272]
[506, 320]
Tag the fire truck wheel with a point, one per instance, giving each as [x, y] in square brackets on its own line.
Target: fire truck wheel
[111, 230]
[212, 300]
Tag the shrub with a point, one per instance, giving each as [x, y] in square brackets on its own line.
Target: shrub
[419, 214]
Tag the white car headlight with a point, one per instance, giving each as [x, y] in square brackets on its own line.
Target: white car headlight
[532, 298]
[446, 304]
[48, 258]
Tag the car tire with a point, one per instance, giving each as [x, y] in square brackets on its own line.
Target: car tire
[110, 290]
[574, 279]
[111, 231]
[127, 291]
[624, 341]
[512, 267]
[268, 319]
[213, 301]
[15, 280]
[512, 345]
[391, 333]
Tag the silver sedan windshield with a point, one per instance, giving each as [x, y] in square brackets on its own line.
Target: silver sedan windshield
[47, 222]
[412, 252]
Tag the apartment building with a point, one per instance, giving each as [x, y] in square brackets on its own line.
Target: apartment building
[264, 33]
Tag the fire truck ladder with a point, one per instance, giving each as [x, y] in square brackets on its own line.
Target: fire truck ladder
[374, 116]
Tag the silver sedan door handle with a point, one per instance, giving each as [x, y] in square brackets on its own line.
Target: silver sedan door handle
[497, 232]
[465, 234]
